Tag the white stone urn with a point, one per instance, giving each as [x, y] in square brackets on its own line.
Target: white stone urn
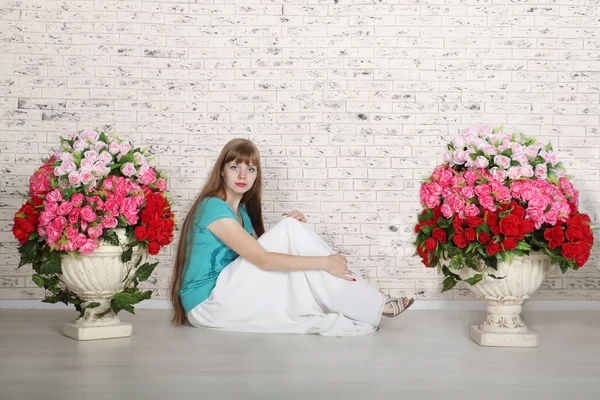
[96, 277]
[503, 299]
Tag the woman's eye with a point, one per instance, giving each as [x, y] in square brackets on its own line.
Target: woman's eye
[233, 167]
[251, 169]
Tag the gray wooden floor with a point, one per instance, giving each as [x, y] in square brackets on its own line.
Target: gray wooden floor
[420, 355]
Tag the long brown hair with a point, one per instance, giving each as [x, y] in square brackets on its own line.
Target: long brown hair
[239, 151]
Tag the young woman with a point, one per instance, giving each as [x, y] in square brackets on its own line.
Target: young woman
[287, 281]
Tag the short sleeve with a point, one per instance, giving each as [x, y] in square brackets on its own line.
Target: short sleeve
[211, 210]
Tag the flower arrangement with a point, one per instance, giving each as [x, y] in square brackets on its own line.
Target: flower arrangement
[95, 189]
[497, 195]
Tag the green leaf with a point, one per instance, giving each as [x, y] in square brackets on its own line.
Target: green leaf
[111, 238]
[28, 253]
[522, 245]
[507, 153]
[51, 265]
[548, 147]
[144, 271]
[38, 280]
[496, 277]
[492, 262]
[93, 304]
[474, 279]
[123, 301]
[126, 256]
[514, 163]
[449, 283]
[427, 230]
[447, 272]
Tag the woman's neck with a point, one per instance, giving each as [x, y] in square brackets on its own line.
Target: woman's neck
[233, 200]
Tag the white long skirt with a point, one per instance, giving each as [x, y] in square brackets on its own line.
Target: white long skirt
[249, 299]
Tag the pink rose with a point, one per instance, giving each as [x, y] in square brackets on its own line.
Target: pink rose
[54, 196]
[125, 147]
[65, 208]
[531, 152]
[88, 247]
[503, 194]
[128, 169]
[470, 177]
[516, 148]
[487, 202]
[71, 233]
[148, 178]
[161, 185]
[100, 145]
[538, 201]
[80, 145]
[65, 157]
[131, 217]
[114, 147]
[446, 210]
[70, 246]
[482, 190]
[90, 135]
[502, 161]
[77, 199]
[109, 222]
[80, 240]
[481, 162]
[521, 158]
[100, 168]
[74, 179]
[111, 207]
[128, 205]
[69, 166]
[86, 177]
[445, 177]
[514, 173]
[484, 130]
[551, 217]
[490, 150]
[541, 171]
[99, 204]
[456, 203]
[535, 214]
[447, 157]
[87, 164]
[467, 192]
[91, 155]
[471, 210]
[105, 157]
[459, 157]
[94, 232]
[87, 214]
[53, 233]
[432, 201]
[60, 222]
[139, 158]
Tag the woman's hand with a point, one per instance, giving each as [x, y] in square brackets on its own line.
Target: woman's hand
[296, 214]
[337, 265]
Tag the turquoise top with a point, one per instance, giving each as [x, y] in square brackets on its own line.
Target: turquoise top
[207, 254]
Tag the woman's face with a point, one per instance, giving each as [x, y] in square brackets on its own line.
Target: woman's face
[239, 177]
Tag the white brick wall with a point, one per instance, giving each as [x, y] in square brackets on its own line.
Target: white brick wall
[349, 102]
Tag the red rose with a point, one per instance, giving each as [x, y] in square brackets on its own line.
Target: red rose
[517, 209]
[153, 248]
[554, 236]
[510, 225]
[574, 233]
[437, 212]
[579, 219]
[439, 235]
[570, 250]
[459, 241]
[457, 222]
[470, 234]
[140, 232]
[573, 209]
[430, 244]
[583, 255]
[152, 234]
[474, 222]
[417, 227]
[509, 243]
[493, 248]
[527, 226]
[484, 238]
[495, 230]
[164, 238]
[492, 219]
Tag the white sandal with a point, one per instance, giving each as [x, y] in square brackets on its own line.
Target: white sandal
[397, 305]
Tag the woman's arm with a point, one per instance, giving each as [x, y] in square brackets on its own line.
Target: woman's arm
[233, 235]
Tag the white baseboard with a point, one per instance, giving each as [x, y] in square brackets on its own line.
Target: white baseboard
[424, 305]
